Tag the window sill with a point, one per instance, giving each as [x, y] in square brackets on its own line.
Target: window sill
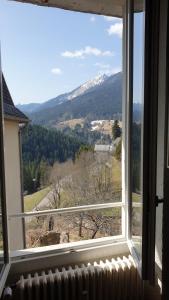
[34, 259]
[64, 248]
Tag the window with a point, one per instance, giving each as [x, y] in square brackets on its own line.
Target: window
[142, 115]
[78, 174]
[137, 128]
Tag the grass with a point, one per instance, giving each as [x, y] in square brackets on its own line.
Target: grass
[136, 197]
[116, 173]
[32, 200]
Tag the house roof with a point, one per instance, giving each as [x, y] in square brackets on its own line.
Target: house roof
[10, 110]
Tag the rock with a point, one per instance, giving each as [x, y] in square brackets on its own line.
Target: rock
[50, 238]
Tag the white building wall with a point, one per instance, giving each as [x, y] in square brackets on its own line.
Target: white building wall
[13, 183]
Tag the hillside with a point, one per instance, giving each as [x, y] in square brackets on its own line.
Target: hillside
[42, 147]
[82, 89]
[39, 143]
[97, 99]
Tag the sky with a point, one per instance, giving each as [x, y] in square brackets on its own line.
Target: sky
[47, 51]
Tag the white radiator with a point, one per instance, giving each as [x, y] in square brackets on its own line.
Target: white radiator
[107, 280]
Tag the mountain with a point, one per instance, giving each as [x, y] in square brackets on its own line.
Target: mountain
[82, 89]
[28, 108]
[100, 98]
[87, 86]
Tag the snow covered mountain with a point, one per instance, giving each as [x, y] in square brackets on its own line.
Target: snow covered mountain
[81, 90]
[98, 99]
[89, 85]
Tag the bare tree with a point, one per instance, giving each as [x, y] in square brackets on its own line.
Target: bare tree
[86, 181]
[59, 175]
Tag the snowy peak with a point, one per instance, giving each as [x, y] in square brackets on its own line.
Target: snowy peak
[98, 80]
[86, 88]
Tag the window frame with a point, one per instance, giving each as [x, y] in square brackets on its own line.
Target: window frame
[6, 267]
[149, 171]
[145, 265]
[123, 204]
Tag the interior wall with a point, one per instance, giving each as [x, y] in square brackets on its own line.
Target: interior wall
[13, 183]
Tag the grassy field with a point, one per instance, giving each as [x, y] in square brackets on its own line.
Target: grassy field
[32, 200]
[70, 123]
[116, 173]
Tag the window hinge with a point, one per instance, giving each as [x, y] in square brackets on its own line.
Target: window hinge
[159, 200]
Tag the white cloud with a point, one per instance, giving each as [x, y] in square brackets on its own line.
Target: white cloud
[116, 29]
[115, 70]
[109, 71]
[92, 19]
[88, 50]
[56, 71]
[102, 65]
[112, 19]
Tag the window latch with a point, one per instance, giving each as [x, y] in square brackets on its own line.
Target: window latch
[159, 200]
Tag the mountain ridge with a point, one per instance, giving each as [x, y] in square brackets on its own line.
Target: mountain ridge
[80, 90]
[99, 98]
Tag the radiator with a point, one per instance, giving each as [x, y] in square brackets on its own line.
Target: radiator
[115, 279]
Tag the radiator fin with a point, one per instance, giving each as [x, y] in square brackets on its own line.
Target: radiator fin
[115, 279]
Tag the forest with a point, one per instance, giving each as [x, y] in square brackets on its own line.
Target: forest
[41, 147]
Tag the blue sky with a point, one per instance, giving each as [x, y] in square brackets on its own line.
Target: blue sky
[47, 51]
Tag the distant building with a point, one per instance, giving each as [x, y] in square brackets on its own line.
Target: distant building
[103, 148]
[107, 148]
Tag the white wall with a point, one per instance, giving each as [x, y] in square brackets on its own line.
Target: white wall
[13, 182]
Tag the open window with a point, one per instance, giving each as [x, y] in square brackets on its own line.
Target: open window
[142, 116]
[132, 209]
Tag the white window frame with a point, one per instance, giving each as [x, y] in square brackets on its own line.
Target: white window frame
[124, 203]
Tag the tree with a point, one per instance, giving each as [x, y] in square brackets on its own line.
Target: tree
[41, 148]
[90, 183]
[116, 130]
[118, 151]
[58, 177]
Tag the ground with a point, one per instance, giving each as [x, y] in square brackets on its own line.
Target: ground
[103, 126]
[77, 226]
[31, 201]
[70, 123]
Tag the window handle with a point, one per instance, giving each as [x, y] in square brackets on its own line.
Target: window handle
[159, 200]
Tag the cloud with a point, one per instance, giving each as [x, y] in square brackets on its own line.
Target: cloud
[110, 71]
[102, 65]
[87, 51]
[56, 71]
[92, 19]
[116, 29]
[112, 19]
[107, 69]
[115, 70]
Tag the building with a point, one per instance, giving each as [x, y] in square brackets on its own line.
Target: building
[150, 248]
[13, 119]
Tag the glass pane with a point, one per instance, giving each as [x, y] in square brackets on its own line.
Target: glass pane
[93, 178]
[138, 58]
[72, 227]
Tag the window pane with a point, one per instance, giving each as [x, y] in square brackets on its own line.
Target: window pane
[72, 227]
[93, 178]
[138, 58]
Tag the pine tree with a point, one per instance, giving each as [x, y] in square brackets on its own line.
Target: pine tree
[116, 130]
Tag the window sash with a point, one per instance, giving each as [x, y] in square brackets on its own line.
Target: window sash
[145, 264]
